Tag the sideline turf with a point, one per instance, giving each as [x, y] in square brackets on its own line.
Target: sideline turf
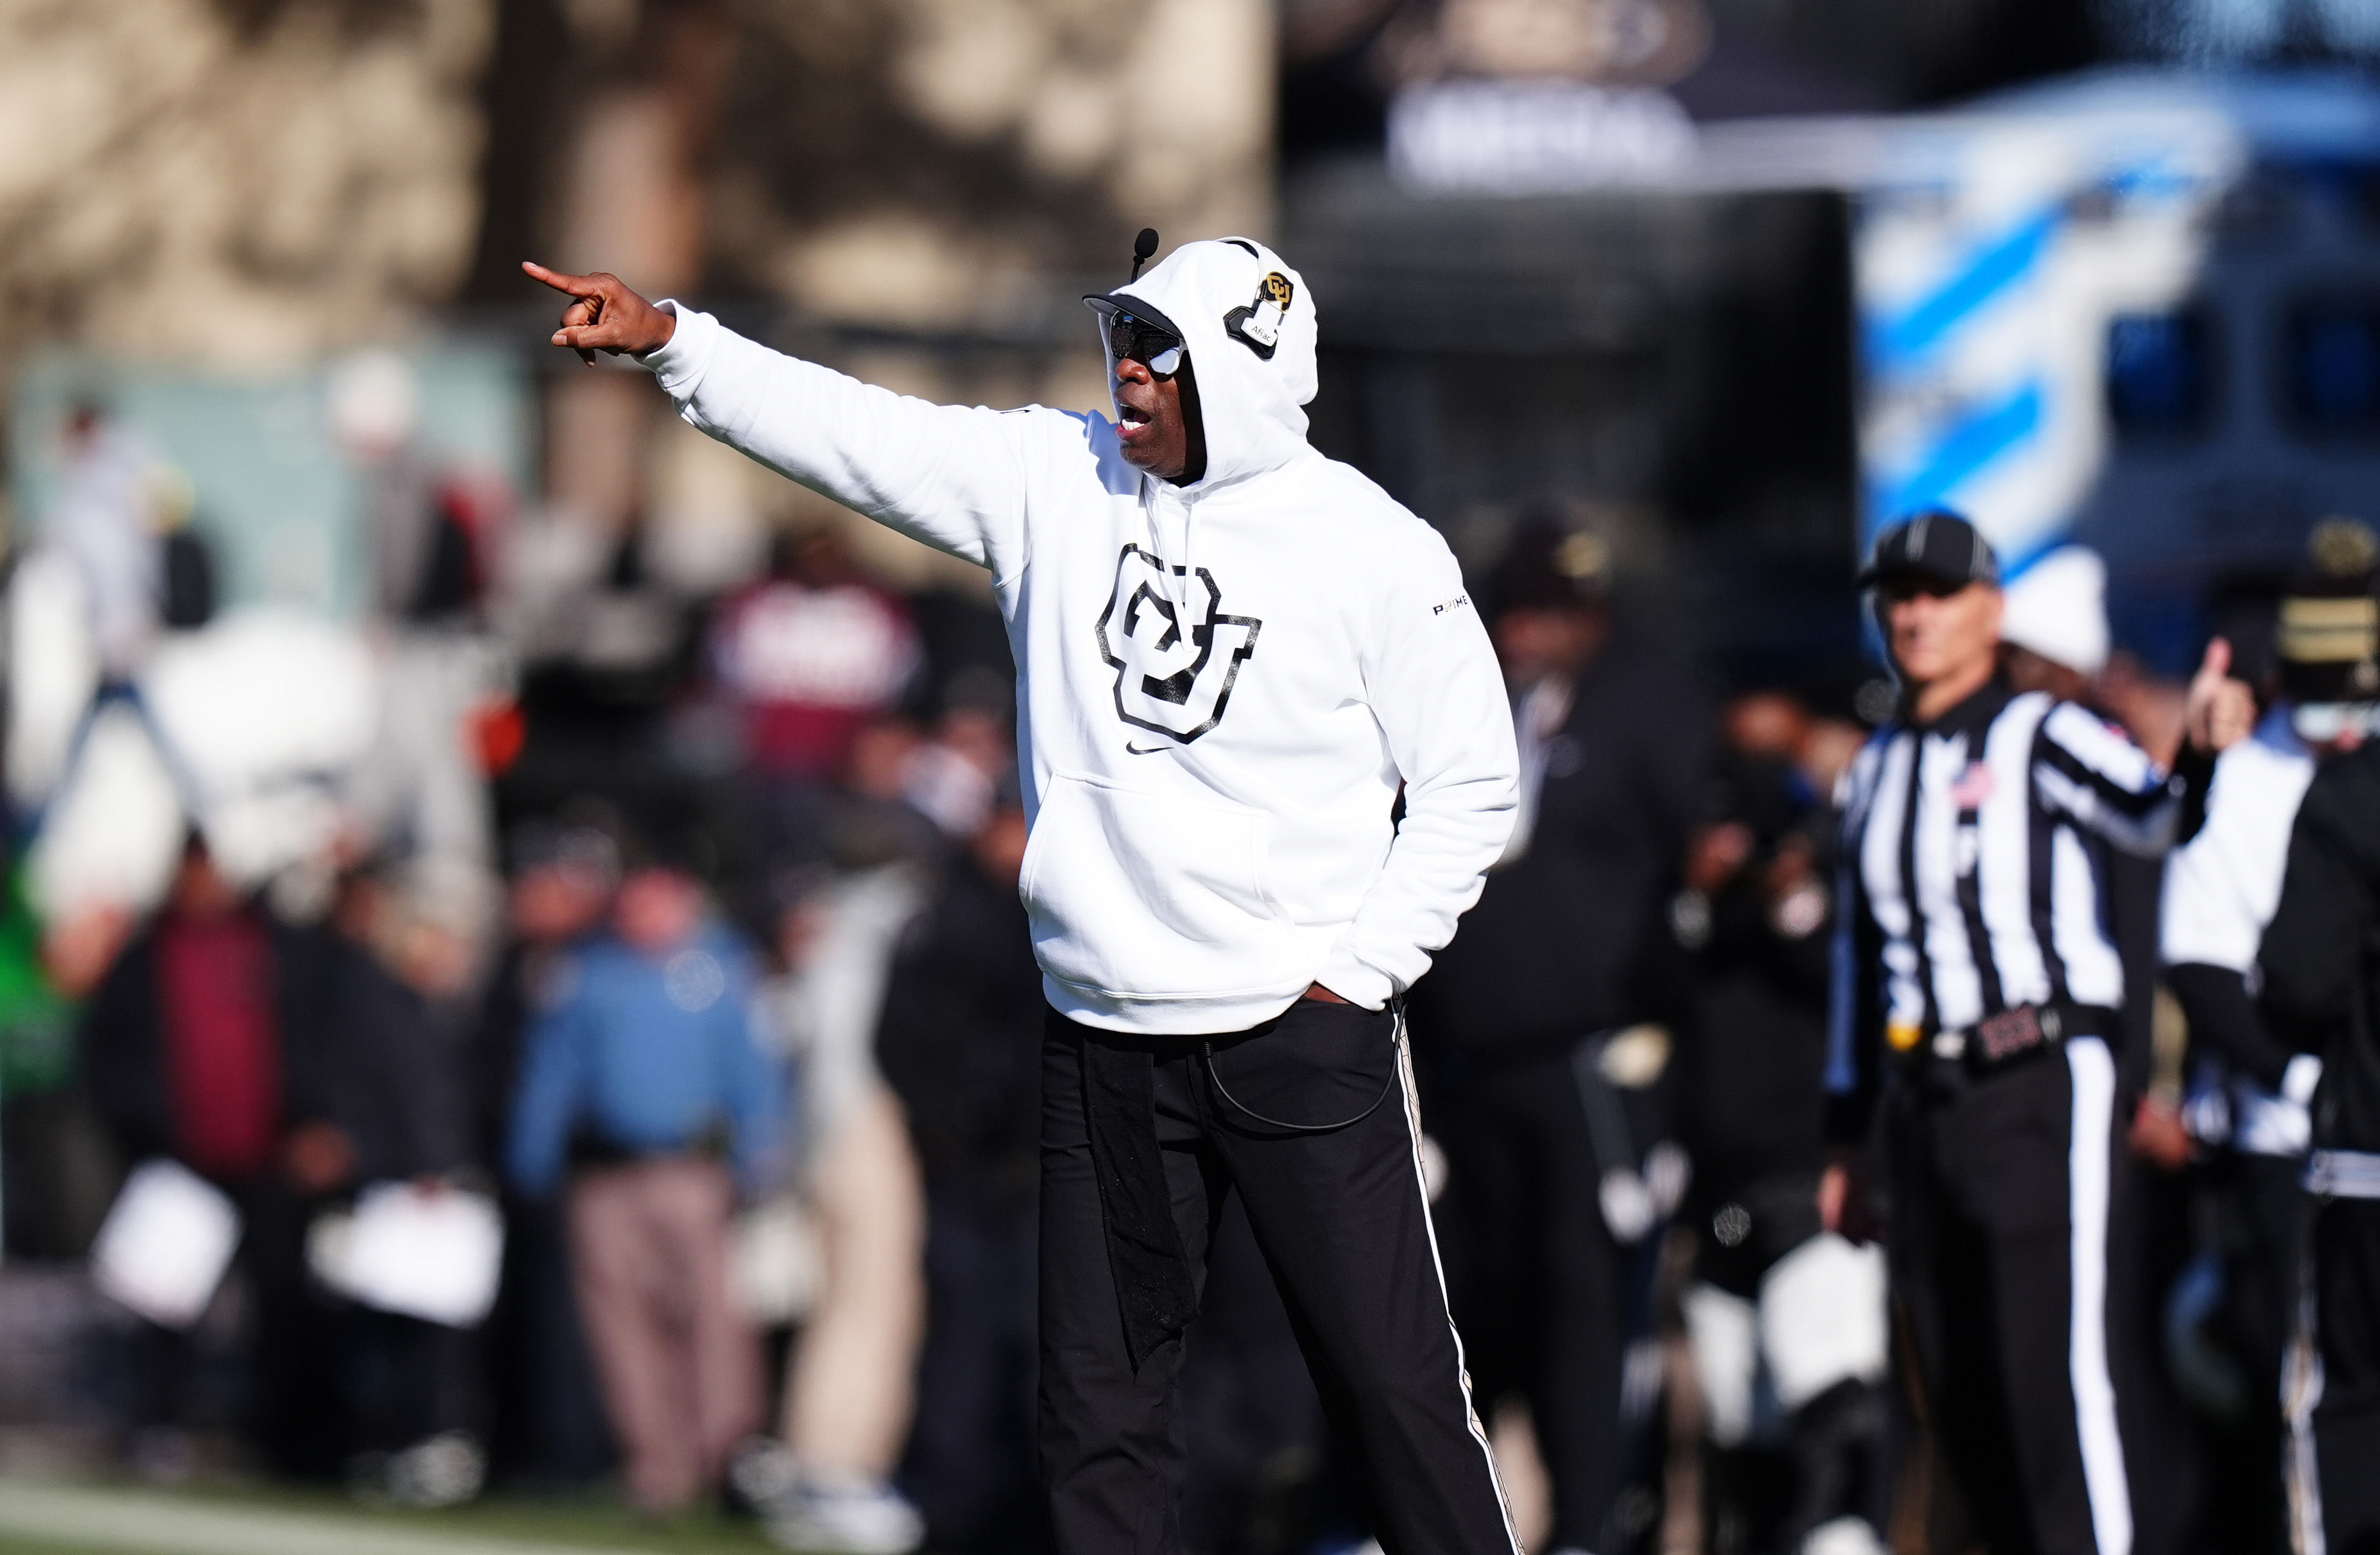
[49, 1517]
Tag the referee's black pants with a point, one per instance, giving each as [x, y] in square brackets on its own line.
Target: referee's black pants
[1342, 1219]
[2003, 1191]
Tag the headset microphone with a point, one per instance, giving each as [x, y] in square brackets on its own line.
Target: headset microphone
[1142, 247]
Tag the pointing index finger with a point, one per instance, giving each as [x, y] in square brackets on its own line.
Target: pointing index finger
[562, 280]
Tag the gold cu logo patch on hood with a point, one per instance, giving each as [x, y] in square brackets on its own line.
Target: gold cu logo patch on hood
[1256, 325]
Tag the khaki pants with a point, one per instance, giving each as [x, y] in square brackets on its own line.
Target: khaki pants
[853, 1374]
[680, 1368]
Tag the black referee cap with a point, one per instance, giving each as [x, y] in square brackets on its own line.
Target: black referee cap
[1936, 547]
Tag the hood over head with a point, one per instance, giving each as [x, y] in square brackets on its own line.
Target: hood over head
[1251, 359]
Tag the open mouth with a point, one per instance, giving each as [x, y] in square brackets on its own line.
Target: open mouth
[1131, 415]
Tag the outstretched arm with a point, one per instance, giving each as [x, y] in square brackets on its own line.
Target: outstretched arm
[949, 477]
[2106, 784]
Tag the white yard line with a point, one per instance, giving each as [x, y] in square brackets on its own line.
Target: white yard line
[156, 1523]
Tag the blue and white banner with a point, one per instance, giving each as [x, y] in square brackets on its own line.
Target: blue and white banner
[1988, 268]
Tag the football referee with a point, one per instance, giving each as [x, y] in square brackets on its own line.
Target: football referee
[1976, 1000]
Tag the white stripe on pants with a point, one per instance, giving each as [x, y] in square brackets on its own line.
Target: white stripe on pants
[1412, 1099]
[2094, 1072]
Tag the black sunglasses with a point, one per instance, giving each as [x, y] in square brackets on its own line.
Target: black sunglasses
[1134, 339]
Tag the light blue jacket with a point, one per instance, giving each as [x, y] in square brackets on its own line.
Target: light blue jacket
[646, 1055]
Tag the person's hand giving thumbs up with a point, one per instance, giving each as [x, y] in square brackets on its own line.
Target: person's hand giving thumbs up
[2221, 711]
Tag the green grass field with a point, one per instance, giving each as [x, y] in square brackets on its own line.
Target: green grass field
[88, 1517]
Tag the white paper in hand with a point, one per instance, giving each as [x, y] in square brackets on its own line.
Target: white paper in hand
[166, 1244]
[431, 1253]
[1823, 1317]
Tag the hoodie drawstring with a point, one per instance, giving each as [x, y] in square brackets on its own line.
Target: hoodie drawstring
[1177, 581]
[1189, 562]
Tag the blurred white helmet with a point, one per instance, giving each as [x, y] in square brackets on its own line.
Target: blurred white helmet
[2058, 607]
[374, 404]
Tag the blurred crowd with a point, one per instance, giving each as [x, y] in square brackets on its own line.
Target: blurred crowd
[680, 932]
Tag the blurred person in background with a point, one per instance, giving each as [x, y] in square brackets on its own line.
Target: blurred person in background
[2252, 1092]
[203, 1045]
[956, 778]
[53, 1171]
[421, 791]
[548, 1406]
[1548, 1202]
[104, 521]
[2320, 961]
[393, 1079]
[646, 1086]
[852, 1375]
[115, 565]
[1785, 1320]
[565, 870]
[1977, 1000]
[960, 1043]
[896, 806]
[2053, 636]
[608, 645]
[810, 654]
[425, 566]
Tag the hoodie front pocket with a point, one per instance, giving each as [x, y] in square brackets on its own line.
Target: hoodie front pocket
[1147, 895]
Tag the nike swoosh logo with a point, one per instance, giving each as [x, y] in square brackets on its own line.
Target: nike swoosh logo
[1132, 750]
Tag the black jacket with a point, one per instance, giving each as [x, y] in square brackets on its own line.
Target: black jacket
[2321, 953]
[391, 1072]
[1753, 1055]
[1560, 944]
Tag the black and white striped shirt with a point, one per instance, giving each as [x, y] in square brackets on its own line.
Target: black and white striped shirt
[1973, 870]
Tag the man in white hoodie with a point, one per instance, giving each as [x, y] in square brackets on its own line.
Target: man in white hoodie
[1236, 660]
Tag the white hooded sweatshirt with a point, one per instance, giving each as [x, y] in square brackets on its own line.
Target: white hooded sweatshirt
[1221, 686]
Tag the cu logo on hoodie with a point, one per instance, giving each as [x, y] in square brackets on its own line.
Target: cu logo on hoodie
[1176, 654]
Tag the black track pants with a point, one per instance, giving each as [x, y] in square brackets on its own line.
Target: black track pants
[1342, 1221]
[2001, 1204]
[2346, 1379]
